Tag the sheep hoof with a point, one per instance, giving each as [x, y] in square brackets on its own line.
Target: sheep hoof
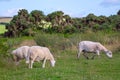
[87, 57]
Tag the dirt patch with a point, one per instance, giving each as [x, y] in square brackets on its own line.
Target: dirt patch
[28, 43]
[5, 19]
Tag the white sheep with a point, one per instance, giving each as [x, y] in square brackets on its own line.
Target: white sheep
[20, 53]
[38, 53]
[92, 47]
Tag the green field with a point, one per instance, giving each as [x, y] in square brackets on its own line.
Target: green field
[2, 29]
[67, 67]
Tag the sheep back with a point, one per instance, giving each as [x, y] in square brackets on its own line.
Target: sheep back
[39, 53]
[21, 52]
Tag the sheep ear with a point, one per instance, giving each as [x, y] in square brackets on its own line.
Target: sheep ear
[109, 51]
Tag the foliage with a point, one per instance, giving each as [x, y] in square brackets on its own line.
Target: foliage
[59, 21]
[118, 13]
[27, 24]
[18, 24]
[37, 15]
[115, 21]
[24, 23]
[3, 47]
[7, 44]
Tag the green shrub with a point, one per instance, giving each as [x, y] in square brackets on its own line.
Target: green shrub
[3, 47]
[53, 41]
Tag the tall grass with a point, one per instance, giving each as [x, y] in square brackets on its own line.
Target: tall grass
[53, 41]
[63, 41]
[8, 44]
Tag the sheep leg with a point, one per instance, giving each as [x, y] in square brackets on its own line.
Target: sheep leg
[84, 54]
[17, 61]
[79, 52]
[31, 63]
[43, 66]
[93, 56]
[97, 52]
[27, 60]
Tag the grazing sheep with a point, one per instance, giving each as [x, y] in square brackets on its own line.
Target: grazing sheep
[94, 47]
[20, 53]
[37, 53]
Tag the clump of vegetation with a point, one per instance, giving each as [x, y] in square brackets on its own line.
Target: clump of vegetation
[26, 24]
[3, 47]
[6, 45]
[53, 41]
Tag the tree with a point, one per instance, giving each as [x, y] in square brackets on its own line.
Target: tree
[59, 21]
[55, 18]
[18, 24]
[115, 21]
[23, 13]
[37, 15]
[118, 13]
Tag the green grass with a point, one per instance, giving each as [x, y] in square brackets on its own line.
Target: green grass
[2, 29]
[67, 67]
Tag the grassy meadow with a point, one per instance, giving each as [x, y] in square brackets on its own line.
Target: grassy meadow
[64, 49]
[2, 29]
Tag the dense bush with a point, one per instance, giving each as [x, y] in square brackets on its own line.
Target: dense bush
[3, 47]
[26, 24]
